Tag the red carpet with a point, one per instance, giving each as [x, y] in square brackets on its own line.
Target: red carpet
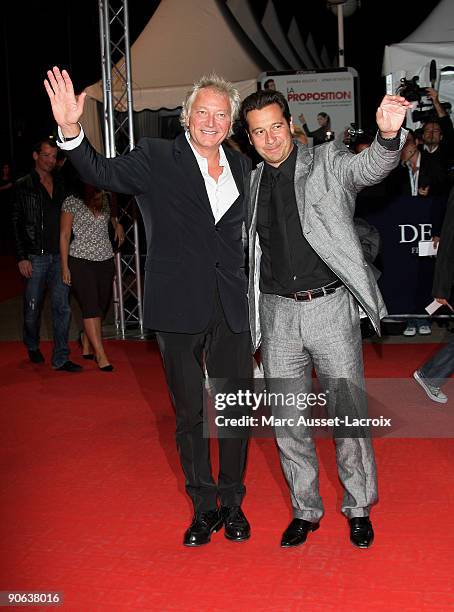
[93, 503]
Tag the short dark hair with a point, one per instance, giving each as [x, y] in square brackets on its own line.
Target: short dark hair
[429, 121]
[89, 193]
[49, 141]
[260, 99]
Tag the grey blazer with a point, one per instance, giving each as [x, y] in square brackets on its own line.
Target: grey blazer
[327, 180]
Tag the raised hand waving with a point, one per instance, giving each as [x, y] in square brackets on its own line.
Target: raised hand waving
[67, 108]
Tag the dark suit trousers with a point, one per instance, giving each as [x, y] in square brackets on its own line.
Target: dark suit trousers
[226, 355]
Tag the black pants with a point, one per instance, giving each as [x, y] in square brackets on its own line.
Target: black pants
[227, 355]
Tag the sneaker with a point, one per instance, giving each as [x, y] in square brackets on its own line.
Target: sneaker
[435, 393]
[424, 330]
[410, 330]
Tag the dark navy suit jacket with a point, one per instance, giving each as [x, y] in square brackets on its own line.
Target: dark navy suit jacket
[188, 255]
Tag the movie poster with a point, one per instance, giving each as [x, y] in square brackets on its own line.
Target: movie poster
[316, 98]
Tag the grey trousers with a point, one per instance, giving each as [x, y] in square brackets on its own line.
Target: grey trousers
[325, 334]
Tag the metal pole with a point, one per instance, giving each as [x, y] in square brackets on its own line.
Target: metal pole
[119, 285]
[104, 52]
[114, 30]
[340, 34]
[138, 272]
[109, 143]
[128, 76]
[131, 146]
[108, 64]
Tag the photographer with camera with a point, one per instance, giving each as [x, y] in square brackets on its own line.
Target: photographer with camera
[438, 131]
[418, 184]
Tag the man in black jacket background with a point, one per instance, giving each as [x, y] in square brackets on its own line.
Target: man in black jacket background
[36, 204]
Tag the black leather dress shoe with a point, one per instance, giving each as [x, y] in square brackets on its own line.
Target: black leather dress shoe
[361, 532]
[236, 525]
[36, 356]
[202, 526]
[69, 366]
[296, 532]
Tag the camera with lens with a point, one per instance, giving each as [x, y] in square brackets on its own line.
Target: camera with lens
[413, 92]
[428, 114]
[353, 134]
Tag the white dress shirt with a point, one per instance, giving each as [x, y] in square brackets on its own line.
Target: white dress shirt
[413, 175]
[221, 193]
[69, 145]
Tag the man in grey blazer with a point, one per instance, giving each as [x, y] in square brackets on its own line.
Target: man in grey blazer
[307, 277]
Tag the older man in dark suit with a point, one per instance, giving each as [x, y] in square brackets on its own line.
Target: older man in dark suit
[307, 277]
[190, 194]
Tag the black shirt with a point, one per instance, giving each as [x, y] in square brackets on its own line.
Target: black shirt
[51, 209]
[288, 263]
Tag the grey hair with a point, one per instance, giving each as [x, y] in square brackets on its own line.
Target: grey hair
[221, 86]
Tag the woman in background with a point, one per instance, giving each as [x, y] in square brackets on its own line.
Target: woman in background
[323, 133]
[88, 264]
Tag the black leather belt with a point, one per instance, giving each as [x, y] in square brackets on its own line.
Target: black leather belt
[311, 294]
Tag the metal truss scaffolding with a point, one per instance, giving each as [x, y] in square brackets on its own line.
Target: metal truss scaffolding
[119, 138]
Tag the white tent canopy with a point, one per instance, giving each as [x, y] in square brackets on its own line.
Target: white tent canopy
[242, 11]
[433, 39]
[180, 43]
